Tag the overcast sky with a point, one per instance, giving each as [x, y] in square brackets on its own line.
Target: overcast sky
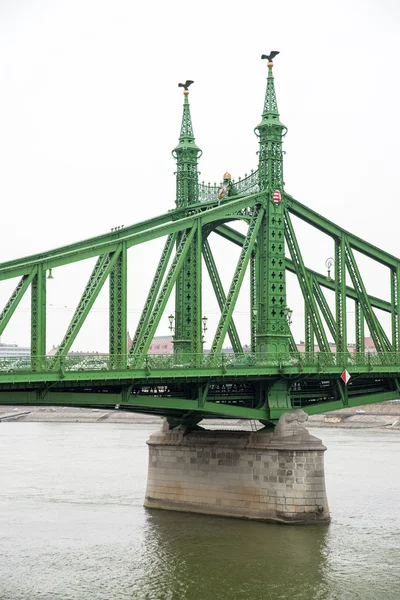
[90, 111]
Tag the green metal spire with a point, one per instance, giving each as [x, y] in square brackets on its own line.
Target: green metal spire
[271, 331]
[270, 132]
[186, 154]
[187, 319]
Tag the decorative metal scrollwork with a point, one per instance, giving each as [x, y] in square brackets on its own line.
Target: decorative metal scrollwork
[241, 187]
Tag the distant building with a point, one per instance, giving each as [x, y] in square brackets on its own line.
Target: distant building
[14, 350]
[162, 344]
[369, 346]
[54, 349]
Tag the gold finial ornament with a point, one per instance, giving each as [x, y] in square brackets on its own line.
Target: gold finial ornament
[186, 93]
[270, 64]
[227, 176]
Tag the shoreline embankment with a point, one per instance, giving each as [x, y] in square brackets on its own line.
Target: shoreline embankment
[385, 415]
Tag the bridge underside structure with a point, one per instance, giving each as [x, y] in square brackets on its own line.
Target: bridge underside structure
[188, 385]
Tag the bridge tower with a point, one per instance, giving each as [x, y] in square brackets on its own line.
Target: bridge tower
[269, 286]
[187, 340]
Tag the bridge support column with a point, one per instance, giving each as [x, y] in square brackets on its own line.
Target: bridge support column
[269, 476]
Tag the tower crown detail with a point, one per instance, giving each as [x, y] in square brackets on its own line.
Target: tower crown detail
[270, 115]
[187, 144]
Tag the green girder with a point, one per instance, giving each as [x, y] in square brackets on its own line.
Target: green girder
[101, 271]
[324, 308]
[312, 310]
[15, 299]
[380, 338]
[118, 306]
[153, 291]
[159, 306]
[220, 295]
[359, 323]
[237, 238]
[38, 316]
[237, 279]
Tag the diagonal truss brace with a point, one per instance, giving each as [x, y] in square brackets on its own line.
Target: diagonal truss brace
[153, 292]
[245, 254]
[305, 286]
[380, 338]
[237, 238]
[101, 271]
[15, 299]
[220, 295]
[159, 307]
[324, 307]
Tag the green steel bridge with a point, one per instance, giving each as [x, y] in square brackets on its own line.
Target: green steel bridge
[188, 385]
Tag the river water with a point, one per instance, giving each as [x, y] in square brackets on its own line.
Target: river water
[72, 525]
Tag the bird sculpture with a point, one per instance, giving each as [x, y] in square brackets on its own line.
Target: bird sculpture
[186, 84]
[269, 56]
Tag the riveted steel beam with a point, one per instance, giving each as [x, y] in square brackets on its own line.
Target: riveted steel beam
[380, 338]
[171, 222]
[159, 307]
[324, 308]
[237, 280]
[319, 222]
[305, 286]
[220, 295]
[118, 309]
[153, 291]
[15, 299]
[395, 312]
[38, 317]
[340, 295]
[101, 271]
[359, 323]
[237, 238]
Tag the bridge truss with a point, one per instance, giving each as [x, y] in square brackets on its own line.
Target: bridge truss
[191, 384]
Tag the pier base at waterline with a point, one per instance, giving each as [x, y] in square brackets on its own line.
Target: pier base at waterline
[275, 476]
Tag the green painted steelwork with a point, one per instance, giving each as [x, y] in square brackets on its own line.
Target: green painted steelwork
[153, 292]
[273, 376]
[220, 295]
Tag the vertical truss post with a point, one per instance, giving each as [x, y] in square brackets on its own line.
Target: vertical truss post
[394, 288]
[15, 299]
[340, 295]
[360, 336]
[177, 263]
[188, 339]
[38, 318]
[237, 280]
[305, 286]
[118, 311]
[197, 333]
[379, 336]
[253, 302]
[153, 292]
[308, 331]
[220, 295]
[272, 327]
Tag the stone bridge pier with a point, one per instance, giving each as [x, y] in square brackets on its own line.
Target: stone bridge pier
[276, 476]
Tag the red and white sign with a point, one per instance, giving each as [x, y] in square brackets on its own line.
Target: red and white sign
[277, 197]
[345, 376]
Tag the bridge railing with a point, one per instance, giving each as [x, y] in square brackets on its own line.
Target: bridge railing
[249, 184]
[225, 361]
